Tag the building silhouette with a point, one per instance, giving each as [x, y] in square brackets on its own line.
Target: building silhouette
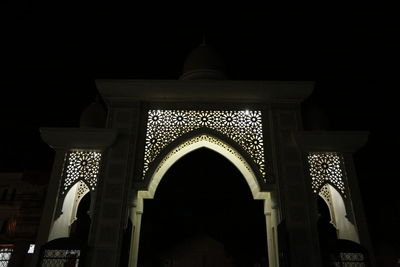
[21, 203]
[107, 172]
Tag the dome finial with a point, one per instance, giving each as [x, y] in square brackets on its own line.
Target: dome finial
[94, 115]
[203, 63]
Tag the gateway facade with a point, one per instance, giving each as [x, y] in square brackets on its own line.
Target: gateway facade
[151, 124]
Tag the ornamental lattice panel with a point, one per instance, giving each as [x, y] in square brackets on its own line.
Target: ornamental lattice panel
[243, 127]
[82, 166]
[326, 167]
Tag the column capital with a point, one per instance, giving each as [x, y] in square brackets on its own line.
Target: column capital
[84, 138]
[331, 141]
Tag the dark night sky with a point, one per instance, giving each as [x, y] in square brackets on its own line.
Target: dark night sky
[52, 54]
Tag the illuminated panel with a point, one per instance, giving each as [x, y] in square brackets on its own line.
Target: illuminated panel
[325, 167]
[82, 166]
[165, 126]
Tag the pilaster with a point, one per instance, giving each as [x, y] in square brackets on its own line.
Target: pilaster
[294, 192]
[62, 140]
[345, 143]
[113, 197]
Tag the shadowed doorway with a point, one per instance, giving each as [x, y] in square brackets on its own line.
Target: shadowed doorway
[203, 214]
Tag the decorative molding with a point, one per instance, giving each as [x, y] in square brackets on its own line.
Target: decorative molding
[321, 141]
[204, 90]
[81, 138]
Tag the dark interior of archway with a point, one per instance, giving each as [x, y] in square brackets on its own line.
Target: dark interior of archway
[81, 226]
[203, 201]
[326, 231]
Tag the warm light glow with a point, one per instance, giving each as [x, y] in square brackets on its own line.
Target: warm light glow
[243, 127]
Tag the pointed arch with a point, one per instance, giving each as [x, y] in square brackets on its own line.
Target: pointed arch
[337, 208]
[197, 140]
[204, 138]
[70, 204]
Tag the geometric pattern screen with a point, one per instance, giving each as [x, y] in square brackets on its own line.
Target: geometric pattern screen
[82, 166]
[325, 168]
[242, 126]
[5, 254]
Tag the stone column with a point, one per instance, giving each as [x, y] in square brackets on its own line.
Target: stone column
[358, 207]
[113, 194]
[49, 208]
[270, 234]
[136, 216]
[294, 192]
[62, 140]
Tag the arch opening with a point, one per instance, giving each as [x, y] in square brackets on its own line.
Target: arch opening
[337, 212]
[80, 227]
[203, 211]
[61, 227]
[215, 145]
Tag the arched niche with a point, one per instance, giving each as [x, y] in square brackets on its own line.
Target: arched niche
[337, 209]
[61, 226]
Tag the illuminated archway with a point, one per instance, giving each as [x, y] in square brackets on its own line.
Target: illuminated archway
[226, 150]
[61, 226]
[337, 209]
